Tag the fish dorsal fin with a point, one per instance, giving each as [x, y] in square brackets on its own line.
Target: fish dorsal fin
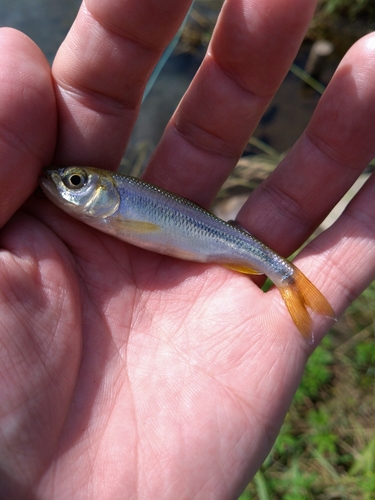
[237, 225]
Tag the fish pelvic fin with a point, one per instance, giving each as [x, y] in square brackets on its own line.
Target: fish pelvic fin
[300, 294]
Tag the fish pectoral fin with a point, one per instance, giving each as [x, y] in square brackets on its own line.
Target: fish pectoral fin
[241, 268]
[134, 226]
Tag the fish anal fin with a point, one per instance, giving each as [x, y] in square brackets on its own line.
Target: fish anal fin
[300, 294]
[241, 268]
[134, 226]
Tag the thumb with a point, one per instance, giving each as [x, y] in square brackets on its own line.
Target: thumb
[27, 119]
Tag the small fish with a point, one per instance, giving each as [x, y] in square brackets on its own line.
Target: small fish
[152, 218]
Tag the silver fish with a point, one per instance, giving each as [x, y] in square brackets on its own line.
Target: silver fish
[152, 218]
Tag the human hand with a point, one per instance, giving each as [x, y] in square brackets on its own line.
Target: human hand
[125, 374]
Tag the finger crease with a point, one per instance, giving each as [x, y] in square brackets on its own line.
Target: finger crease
[206, 141]
[282, 201]
[361, 218]
[239, 83]
[119, 32]
[328, 151]
[90, 96]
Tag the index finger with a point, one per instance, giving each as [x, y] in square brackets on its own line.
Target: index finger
[101, 70]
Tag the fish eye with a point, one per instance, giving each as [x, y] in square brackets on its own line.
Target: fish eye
[75, 180]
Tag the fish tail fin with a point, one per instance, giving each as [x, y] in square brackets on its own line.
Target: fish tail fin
[300, 294]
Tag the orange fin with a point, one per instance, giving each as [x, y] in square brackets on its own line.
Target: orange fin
[300, 294]
[238, 267]
[134, 226]
[241, 269]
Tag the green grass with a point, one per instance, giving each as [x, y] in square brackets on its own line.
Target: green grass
[326, 448]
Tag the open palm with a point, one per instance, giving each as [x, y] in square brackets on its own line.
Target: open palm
[126, 374]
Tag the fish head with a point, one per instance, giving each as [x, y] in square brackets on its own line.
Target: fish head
[81, 191]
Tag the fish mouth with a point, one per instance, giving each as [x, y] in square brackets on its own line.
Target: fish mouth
[49, 182]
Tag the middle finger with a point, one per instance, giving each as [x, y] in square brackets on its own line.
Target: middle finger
[101, 70]
[251, 50]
